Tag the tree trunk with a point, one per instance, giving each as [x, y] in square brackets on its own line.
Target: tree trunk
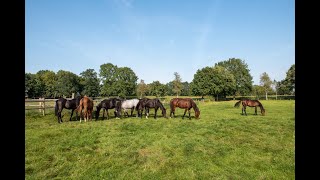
[266, 95]
[276, 95]
[177, 95]
[234, 97]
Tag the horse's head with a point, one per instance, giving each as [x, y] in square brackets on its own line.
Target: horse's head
[263, 112]
[197, 114]
[164, 113]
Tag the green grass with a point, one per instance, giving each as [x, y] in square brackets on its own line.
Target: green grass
[223, 144]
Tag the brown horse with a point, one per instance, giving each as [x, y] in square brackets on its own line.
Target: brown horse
[250, 103]
[184, 103]
[86, 104]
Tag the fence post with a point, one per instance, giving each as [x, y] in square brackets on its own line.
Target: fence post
[72, 95]
[40, 105]
[44, 107]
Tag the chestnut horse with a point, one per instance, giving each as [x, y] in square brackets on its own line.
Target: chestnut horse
[184, 103]
[86, 104]
[250, 103]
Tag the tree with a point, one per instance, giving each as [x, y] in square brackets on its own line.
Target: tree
[185, 89]
[290, 79]
[157, 89]
[33, 85]
[241, 74]
[90, 83]
[48, 80]
[177, 86]
[142, 88]
[258, 91]
[265, 82]
[107, 75]
[67, 83]
[213, 81]
[120, 81]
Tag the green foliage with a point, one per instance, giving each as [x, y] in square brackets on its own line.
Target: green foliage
[67, 83]
[239, 69]
[177, 86]
[185, 89]
[33, 85]
[48, 80]
[221, 145]
[213, 81]
[117, 81]
[142, 89]
[287, 86]
[90, 83]
[157, 89]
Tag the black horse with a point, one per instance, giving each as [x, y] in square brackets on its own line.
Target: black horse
[111, 103]
[68, 104]
[140, 107]
[153, 103]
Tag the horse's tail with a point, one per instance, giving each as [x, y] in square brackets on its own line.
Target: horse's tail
[238, 104]
[56, 108]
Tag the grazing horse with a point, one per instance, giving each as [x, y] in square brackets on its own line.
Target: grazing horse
[184, 103]
[86, 104]
[111, 103]
[153, 103]
[129, 104]
[250, 103]
[68, 104]
[139, 107]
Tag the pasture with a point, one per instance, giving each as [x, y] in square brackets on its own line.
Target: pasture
[222, 144]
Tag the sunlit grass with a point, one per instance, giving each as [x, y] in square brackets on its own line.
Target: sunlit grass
[222, 144]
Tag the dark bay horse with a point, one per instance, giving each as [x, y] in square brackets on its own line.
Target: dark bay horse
[250, 103]
[152, 103]
[86, 104]
[68, 104]
[139, 106]
[184, 103]
[111, 103]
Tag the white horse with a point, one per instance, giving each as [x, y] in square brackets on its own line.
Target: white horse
[129, 104]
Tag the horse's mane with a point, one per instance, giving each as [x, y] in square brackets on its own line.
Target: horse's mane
[260, 105]
[194, 105]
[160, 104]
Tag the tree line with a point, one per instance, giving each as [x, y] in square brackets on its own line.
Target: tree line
[226, 78]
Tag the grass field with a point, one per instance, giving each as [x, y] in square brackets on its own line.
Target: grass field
[222, 144]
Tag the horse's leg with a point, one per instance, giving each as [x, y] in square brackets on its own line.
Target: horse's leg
[132, 111]
[155, 112]
[255, 110]
[184, 113]
[71, 114]
[245, 110]
[189, 113]
[146, 112]
[242, 110]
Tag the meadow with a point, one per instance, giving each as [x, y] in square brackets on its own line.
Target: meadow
[222, 144]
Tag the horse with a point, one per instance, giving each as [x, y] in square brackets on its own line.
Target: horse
[111, 103]
[129, 104]
[153, 103]
[250, 103]
[86, 104]
[184, 103]
[139, 107]
[68, 104]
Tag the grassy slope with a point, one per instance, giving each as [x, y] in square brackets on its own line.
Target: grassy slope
[221, 145]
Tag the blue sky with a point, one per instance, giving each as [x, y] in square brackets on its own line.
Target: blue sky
[156, 38]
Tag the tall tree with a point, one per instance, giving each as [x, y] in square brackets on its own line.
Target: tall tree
[33, 85]
[120, 81]
[185, 89]
[266, 83]
[108, 77]
[48, 80]
[213, 81]
[142, 88]
[291, 78]
[67, 83]
[90, 83]
[241, 74]
[177, 86]
[156, 89]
